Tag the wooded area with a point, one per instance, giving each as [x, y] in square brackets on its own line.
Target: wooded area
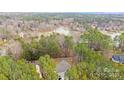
[32, 47]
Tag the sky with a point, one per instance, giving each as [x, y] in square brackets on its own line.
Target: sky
[61, 5]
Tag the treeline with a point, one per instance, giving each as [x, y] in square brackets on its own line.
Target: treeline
[37, 52]
[22, 70]
[19, 70]
[94, 66]
[54, 45]
[91, 62]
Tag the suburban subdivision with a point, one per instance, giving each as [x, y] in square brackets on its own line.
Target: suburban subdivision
[61, 46]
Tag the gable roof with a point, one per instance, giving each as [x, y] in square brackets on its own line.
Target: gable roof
[62, 66]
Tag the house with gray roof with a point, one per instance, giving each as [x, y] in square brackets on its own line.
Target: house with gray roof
[61, 68]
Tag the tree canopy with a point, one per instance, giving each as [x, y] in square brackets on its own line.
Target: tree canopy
[94, 66]
[48, 68]
[95, 39]
[19, 70]
[53, 45]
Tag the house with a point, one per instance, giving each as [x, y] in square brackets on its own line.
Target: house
[61, 68]
[118, 59]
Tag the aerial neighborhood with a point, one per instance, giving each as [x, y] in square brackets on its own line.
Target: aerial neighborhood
[61, 46]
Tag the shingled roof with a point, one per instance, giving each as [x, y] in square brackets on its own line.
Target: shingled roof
[62, 66]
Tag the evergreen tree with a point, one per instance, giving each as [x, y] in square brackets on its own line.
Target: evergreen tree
[47, 68]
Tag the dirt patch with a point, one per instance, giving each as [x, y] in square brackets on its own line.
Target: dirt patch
[68, 59]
